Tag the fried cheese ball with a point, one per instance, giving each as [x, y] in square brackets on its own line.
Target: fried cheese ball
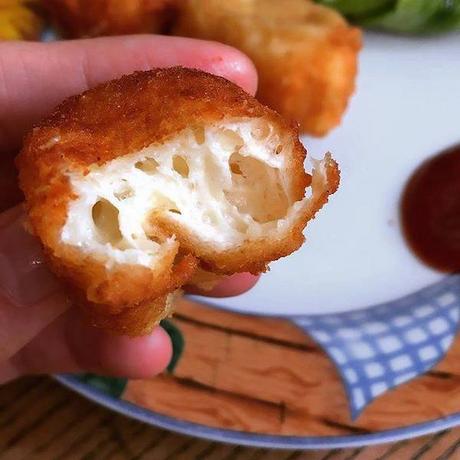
[94, 18]
[136, 185]
[305, 54]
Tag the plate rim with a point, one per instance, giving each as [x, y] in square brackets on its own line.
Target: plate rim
[214, 302]
[244, 438]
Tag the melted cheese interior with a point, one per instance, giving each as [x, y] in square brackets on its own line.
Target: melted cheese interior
[224, 183]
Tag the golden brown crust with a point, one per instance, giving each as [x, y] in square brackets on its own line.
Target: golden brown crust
[121, 117]
[134, 111]
[305, 54]
[94, 18]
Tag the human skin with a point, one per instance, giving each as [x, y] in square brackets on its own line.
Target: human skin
[40, 332]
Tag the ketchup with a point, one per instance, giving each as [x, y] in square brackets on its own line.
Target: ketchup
[430, 211]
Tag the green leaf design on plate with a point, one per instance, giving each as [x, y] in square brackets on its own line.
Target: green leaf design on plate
[113, 386]
[177, 340]
[401, 16]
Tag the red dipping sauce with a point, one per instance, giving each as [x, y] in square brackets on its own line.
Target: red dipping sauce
[430, 211]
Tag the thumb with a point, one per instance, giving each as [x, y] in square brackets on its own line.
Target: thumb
[30, 296]
[35, 77]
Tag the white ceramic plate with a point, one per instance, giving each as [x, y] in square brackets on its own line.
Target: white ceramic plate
[406, 108]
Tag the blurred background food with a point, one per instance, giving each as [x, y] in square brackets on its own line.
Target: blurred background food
[94, 18]
[19, 20]
[305, 54]
[402, 16]
[305, 51]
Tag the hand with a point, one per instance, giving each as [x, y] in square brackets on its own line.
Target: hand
[39, 331]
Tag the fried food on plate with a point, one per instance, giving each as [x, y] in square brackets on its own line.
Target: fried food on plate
[135, 184]
[306, 54]
[19, 20]
[94, 18]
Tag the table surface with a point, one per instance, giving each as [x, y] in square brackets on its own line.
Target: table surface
[39, 419]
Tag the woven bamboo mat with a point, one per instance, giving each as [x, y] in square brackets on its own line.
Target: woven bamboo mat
[39, 419]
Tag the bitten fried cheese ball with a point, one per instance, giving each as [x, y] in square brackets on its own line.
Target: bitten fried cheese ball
[94, 18]
[306, 54]
[136, 185]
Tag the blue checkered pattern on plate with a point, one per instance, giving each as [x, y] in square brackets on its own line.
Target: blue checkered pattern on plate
[378, 348]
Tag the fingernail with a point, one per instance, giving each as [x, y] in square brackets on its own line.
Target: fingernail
[24, 278]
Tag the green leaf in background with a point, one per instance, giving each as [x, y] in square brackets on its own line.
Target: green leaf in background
[358, 9]
[113, 386]
[402, 16]
[177, 340]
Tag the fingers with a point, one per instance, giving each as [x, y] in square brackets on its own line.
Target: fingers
[40, 334]
[229, 286]
[30, 297]
[37, 337]
[71, 345]
[35, 77]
